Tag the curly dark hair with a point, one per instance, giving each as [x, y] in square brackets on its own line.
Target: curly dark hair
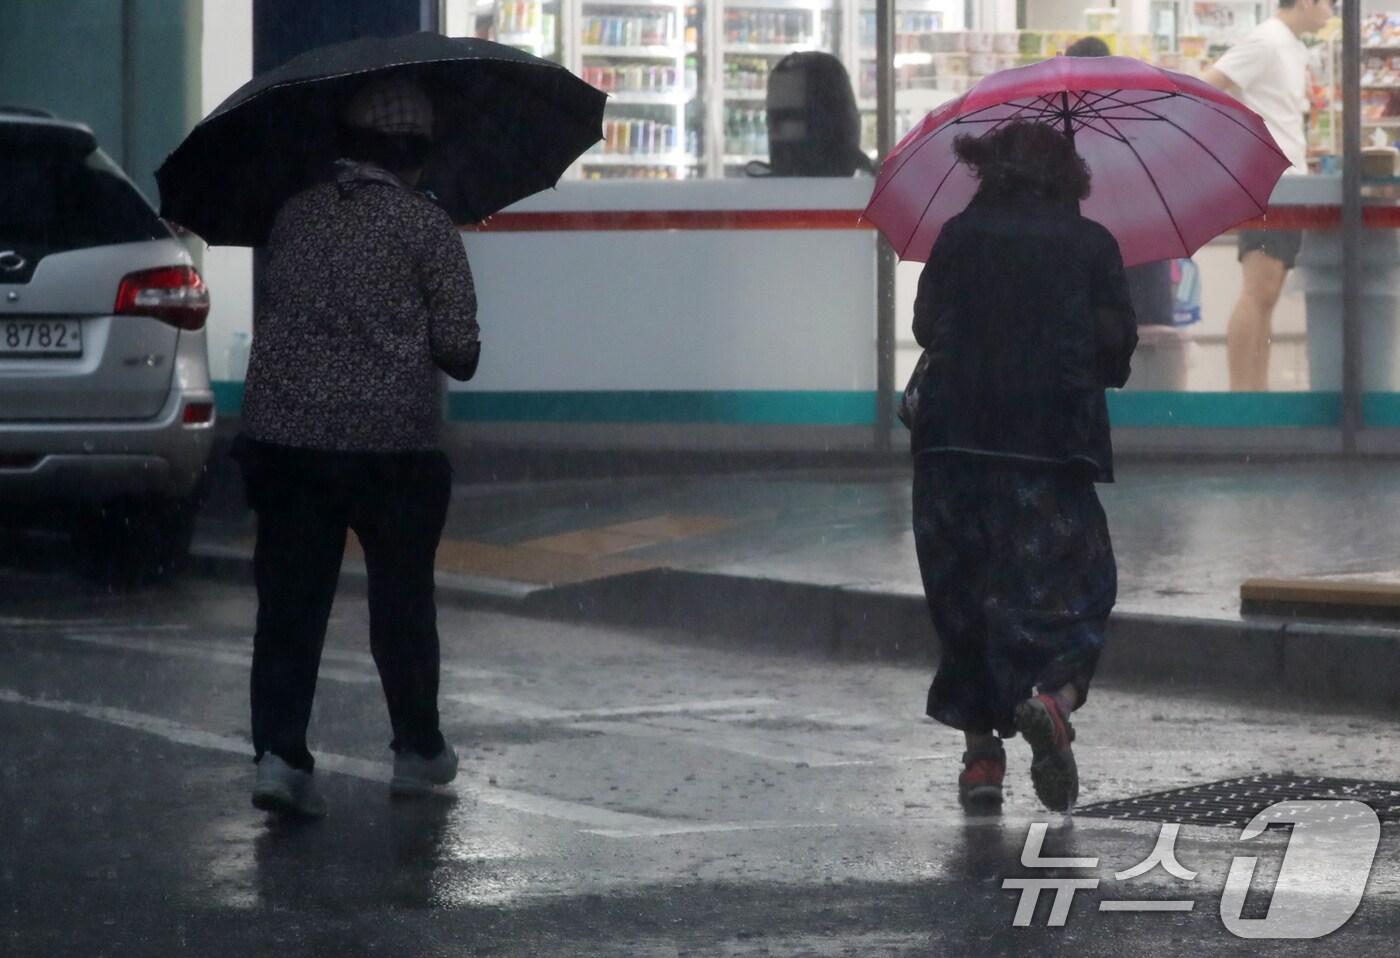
[1026, 158]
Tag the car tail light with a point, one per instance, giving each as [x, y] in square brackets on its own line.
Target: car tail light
[172, 294]
[199, 412]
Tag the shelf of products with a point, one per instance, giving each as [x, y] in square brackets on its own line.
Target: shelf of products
[530, 25]
[688, 81]
[1380, 72]
[751, 37]
[642, 53]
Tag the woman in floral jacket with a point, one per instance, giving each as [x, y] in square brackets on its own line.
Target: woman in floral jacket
[367, 294]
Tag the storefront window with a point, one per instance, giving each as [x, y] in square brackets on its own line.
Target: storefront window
[689, 86]
[693, 90]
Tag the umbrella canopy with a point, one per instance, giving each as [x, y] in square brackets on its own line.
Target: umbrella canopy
[506, 124]
[1175, 161]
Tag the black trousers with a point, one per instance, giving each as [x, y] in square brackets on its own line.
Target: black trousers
[305, 500]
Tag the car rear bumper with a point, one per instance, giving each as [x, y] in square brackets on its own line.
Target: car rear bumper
[94, 462]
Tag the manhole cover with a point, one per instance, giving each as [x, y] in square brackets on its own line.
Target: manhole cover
[1234, 802]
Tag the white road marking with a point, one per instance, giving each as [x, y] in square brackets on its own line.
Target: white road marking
[511, 705]
[21, 622]
[790, 749]
[152, 724]
[242, 658]
[678, 722]
[241, 654]
[601, 821]
[669, 708]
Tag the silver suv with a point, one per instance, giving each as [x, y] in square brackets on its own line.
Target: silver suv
[106, 410]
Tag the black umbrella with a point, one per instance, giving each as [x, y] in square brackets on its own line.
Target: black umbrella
[506, 124]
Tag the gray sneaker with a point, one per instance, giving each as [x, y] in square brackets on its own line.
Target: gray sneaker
[286, 791]
[416, 775]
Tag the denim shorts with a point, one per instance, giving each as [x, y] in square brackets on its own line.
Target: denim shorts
[1282, 245]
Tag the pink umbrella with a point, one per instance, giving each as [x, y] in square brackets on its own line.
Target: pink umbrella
[1175, 162]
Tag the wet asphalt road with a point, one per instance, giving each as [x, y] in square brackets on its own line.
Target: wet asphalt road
[623, 793]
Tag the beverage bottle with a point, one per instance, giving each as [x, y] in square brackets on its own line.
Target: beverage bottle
[762, 147]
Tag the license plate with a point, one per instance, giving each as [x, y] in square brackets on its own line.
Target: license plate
[27, 338]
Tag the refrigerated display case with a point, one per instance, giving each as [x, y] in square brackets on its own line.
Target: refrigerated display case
[530, 25]
[677, 112]
[926, 72]
[644, 55]
[750, 37]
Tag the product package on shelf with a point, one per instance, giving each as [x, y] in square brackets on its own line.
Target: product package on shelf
[531, 25]
[1380, 30]
[643, 55]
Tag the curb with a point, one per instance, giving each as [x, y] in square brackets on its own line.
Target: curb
[1316, 661]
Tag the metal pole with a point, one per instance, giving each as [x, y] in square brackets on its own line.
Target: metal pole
[430, 15]
[1353, 236]
[128, 81]
[886, 260]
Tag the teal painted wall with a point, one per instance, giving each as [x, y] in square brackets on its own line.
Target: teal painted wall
[1156, 409]
[66, 56]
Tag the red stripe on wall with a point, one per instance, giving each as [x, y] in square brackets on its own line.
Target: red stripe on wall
[1279, 218]
[674, 220]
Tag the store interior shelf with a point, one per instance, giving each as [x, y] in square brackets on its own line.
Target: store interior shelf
[742, 159]
[814, 5]
[655, 98]
[914, 58]
[770, 49]
[636, 53]
[746, 96]
[528, 39]
[638, 159]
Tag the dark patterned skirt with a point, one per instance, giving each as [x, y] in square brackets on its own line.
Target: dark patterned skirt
[1020, 578]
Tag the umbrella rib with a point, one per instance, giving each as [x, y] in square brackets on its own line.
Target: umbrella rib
[1048, 108]
[1205, 149]
[927, 140]
[919, 221]
[1158, 190]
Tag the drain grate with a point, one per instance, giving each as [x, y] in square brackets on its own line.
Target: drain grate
[1234, 802]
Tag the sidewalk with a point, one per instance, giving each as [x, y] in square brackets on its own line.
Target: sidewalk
[824, 561]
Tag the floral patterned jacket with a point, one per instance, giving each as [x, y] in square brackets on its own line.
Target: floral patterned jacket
[366, 296]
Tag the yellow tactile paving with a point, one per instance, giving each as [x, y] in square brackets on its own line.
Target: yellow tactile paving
[626, 536]
[522, 564]
[1379, 589]
[572, 557]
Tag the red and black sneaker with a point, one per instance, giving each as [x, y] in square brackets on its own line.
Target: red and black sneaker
[1049, 734]
[979, 784]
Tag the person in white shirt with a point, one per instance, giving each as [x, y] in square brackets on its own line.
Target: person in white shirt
[1268, 72]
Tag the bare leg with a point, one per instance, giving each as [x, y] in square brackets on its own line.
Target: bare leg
[1068, 695]
[1251, 324]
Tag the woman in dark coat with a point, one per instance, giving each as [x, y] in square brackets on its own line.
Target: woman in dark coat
[367, 296]
[1025, 317]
